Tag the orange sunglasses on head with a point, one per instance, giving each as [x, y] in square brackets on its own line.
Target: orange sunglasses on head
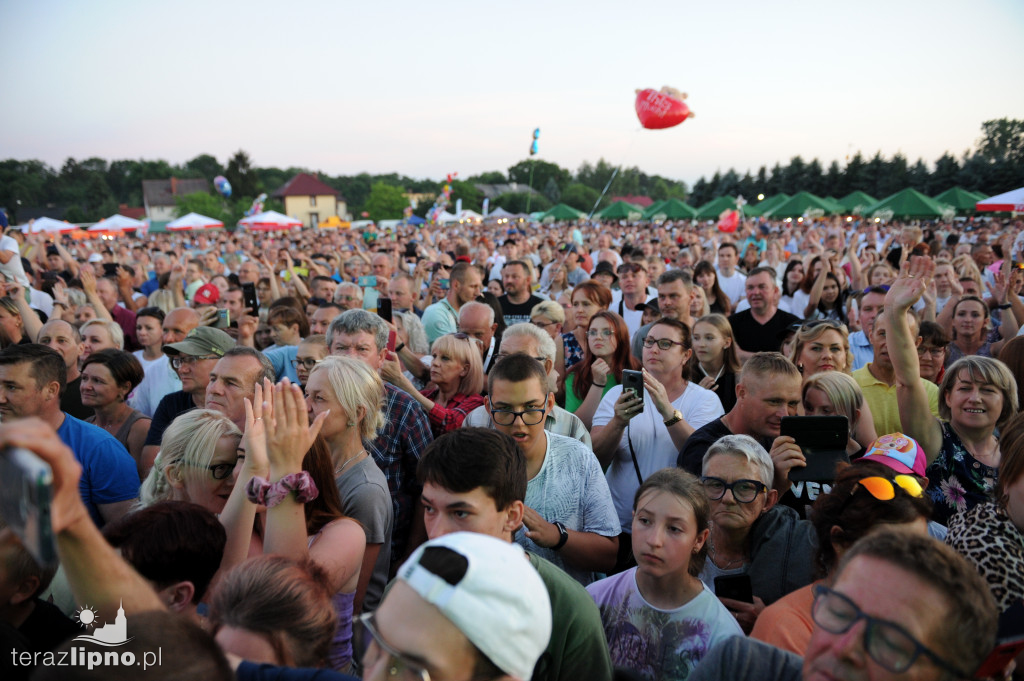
[884, 490]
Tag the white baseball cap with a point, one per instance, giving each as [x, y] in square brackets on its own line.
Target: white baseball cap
[500, 603]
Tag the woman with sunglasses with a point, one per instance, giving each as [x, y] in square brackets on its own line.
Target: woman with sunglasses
[977, 396]
[876, 491]
[549, 316]
[457, 378]
[606, 355]
[704, 274]
[991, 535]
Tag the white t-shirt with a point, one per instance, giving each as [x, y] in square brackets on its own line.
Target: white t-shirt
[13, 268]
[570, 488]
[160, 380]
[656, 643]
[651, 441]
[733, 286]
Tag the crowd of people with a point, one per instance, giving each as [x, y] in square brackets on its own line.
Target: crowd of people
[523, 451]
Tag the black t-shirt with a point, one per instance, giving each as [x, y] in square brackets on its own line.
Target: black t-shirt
[71, 401]
[754, 337]
[691, 456]
[518, 313]
[47, 627]
[171, 407]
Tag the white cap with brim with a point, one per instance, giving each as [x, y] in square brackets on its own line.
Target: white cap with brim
[500, 604]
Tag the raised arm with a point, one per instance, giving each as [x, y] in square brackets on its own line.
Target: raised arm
[915, 412]
[818, 287]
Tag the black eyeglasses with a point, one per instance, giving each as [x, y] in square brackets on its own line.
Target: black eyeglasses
[221, 471]
[662, 343]
[306, 363]
[887, 643]
[743, 491]
[506, 417]
[632, 267]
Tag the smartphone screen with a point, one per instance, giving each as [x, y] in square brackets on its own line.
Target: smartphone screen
[736, 587]
[384, 309]
[249, 298]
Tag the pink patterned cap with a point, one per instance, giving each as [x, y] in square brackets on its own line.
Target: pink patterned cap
[899, 452]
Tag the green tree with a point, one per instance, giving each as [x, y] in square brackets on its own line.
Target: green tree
[472, 198]
[515, 202]
[1002, 140]
[206, 204]
[385, 202]
[489, 177]
[241, 176]
[833, 181]
[581, 197]
[205, 166]
[945, 176]
[542, 172]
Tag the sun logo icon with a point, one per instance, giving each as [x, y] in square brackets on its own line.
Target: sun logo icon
[87, 617]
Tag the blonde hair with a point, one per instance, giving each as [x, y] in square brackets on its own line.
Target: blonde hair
[550, 309]
[463, 351]
[982, 370]
[355, 385]
[705, 309]
[113, 329]
[842, 392]
[162, 298]
[186, 450]
[808, 333]
[721, 324]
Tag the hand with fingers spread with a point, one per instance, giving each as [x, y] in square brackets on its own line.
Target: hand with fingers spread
[910, 284]
[254, 440]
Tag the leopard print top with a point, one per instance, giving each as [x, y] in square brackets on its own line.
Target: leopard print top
[987, 537]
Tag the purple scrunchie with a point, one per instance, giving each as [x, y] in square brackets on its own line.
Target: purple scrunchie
[266, 493]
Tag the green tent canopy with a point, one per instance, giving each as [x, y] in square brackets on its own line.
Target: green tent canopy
[562, 212]
[759, 209]
[672, 209]
[620, 210]
[653, 208]
[713, 208]
[958, 197]
[800, 203]
[839, 209]
[981, 196]
[909, 204]
[856, 202]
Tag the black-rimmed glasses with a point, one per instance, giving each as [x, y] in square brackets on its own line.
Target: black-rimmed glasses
[662, 343]
[887, 643]
[221, 471]
[743, 491]
[306, 363]
[506, 417]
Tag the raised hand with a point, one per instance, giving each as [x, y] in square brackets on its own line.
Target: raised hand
[289, 433]
[254, 439]
[910, 284]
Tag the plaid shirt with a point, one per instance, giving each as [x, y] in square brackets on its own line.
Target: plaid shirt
[450, 416]
[397, 449]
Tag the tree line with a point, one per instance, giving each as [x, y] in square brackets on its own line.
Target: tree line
[93, 188]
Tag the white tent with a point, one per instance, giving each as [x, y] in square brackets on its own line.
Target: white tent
[48, 226]
[269, 221]
[444, 216]
[193, 221]
[471, 215]
[117, 223]
[1009, 202]
[499, 213]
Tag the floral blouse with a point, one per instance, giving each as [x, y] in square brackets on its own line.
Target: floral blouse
[573, 350]
[956, 480]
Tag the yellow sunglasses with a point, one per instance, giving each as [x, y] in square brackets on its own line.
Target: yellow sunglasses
[883, 489]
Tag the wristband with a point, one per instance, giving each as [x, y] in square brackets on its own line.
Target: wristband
[563, 536]
[599, 385]
[1004, 306]
[261, 491]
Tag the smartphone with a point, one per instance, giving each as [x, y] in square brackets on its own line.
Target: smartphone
[736, 587]
[446, 284]
[633, 380]
[1009, 642]
[26, 491]
[249, 298]
[823, 440]
[384, 309]
[110, 269]
[392, 340]
[370, 281]
[223, 319]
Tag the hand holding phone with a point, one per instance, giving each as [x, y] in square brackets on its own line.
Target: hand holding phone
[633, 381]
[26, 494]
[822, 440]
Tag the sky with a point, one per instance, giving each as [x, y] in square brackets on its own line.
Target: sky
[429, 88]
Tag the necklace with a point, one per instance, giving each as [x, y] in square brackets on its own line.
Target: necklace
[339, 469]
[734, 563]
[715, 379]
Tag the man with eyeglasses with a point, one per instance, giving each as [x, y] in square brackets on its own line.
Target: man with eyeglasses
[533, 341]
[192, 359]
[902, 606]
[569, 517]
[32, 378]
